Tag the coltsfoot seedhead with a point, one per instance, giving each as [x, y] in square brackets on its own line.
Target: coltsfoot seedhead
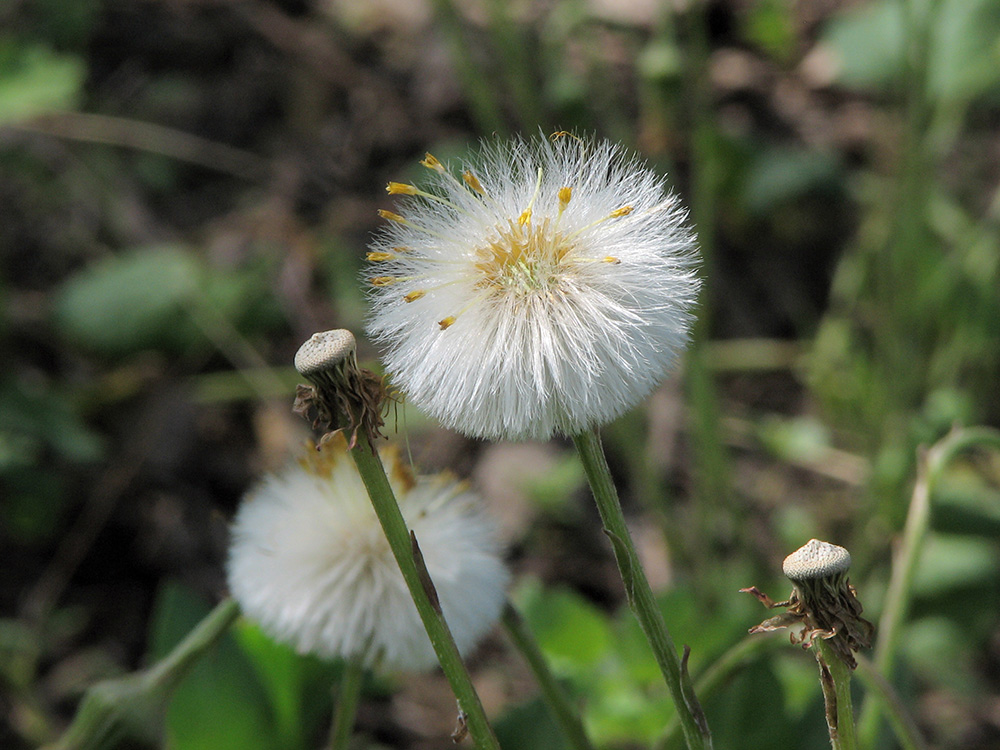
[816, 559]
[325, 350]
[340, 391]
[823, 603]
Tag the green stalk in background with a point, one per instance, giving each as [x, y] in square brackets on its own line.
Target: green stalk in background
[897, 601]
[640, 595]
[132, 706]
[342, 390]
[552, 692]
[346, 701]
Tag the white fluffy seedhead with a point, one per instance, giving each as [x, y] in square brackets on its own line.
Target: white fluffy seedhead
[310, 563]
[547, 289]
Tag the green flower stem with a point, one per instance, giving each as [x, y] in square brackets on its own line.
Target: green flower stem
[407, 553]
[639, 594]
[347, 702]
[716, 676]
[552, 692]
[132, 706]
[835, 679]
[897, 599]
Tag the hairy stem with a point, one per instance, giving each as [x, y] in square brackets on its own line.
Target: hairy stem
[835, 679]
[640, 595]
[407, 553]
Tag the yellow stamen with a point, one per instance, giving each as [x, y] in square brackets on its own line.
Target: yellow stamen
[378, 257]
[382, 280]
[612, 260]
[403, 249]
[414, 296]
[400, 188]
[431, 162]
[472, 182]
[391, 216]
[525, 217]
[564, 134]
[446, 322]
[623, 211]
[565, 194]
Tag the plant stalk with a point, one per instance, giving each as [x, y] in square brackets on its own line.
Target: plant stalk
[405, 549]
[835, 679]
[904, 567]
[552, 692]
[640, 595]
[129, 706]
[347, 697]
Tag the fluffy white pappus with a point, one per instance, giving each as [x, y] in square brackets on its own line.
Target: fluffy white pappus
[546, 289]
[309, 561]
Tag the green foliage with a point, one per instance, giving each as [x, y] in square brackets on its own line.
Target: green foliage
[130, 302]
[36, 81]
[250, 692]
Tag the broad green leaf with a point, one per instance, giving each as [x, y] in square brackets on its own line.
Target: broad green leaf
[36, 81]
[220, 705]
[127, 303]
[298, 687]
[570, 630]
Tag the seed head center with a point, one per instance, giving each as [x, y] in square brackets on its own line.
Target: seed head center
[523, 258]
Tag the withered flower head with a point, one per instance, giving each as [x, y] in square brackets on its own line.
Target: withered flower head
[342, 395]
[823, 603]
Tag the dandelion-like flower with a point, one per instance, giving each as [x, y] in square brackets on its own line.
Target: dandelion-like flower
[547, 290]
[310, 563]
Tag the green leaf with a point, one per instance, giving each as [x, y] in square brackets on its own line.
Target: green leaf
[127, 303]
[949, 562]
[529, 726]
[298, 687]
[220, 705]
[36, 81]
[867, 41]
[571, 631]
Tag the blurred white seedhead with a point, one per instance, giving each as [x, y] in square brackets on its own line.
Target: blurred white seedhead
[310, 562]
[547, 289]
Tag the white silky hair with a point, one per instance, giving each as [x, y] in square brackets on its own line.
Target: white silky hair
[310, 563]
[569, 341]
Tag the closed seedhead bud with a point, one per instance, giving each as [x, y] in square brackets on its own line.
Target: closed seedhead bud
[340, 391]
[823, 603]
[325, 351]
[816, 559]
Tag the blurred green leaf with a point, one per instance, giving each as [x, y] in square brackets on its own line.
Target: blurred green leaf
[939, 649]
[963, 54]
[298, 687]
[949, 562]
[33, 503]
[778, 175]
[126, 303]
[966, 508]
[751, 713]
[769, 25]
[529, 726]
[868, 43]
[795, 439]
[36, 81]
[220, 705]
[571, 631]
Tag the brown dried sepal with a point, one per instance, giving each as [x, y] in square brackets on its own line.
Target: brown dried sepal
[353, 401]
[825, 608]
